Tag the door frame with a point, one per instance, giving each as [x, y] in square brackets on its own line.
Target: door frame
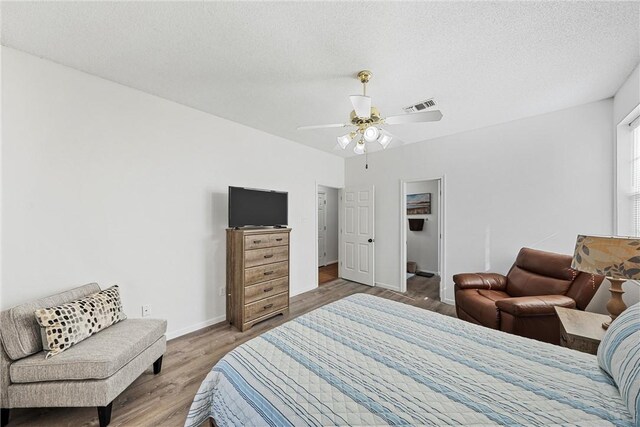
[325, 227]
[315, 228]
[441, 231]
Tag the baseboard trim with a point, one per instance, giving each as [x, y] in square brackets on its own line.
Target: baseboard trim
[448, 301]
[387, 286]
[220, 319]
[328, 263]
[195, 327]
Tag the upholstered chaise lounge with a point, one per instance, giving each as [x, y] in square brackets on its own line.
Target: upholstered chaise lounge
[91, 373]
[523, 302]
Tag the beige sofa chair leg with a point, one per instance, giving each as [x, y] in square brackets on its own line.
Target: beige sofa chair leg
[5, 417]
[157, 366]
[104, 414]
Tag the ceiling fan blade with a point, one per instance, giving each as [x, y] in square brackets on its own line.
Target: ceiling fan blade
[423, 116]
[335, 125]
[361, 105]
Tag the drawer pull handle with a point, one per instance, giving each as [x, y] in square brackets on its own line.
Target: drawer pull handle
[268, 289]
[269, 256]
[268, 273]
[279, 239]
[257, 241]
[268, 306]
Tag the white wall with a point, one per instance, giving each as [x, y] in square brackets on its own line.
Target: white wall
[332, 223]
[422, 246]
[105, 183]
[535, 182]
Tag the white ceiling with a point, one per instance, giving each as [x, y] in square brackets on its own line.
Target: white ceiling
[275, 66]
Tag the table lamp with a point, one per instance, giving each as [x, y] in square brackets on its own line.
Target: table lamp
[616, 258]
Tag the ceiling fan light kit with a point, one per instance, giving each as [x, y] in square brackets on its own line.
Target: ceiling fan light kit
[384, 139]
[361, 105]
[367, 120]
[371, 134]
[345, 140]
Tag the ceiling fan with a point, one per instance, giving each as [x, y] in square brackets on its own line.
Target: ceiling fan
[367, 121]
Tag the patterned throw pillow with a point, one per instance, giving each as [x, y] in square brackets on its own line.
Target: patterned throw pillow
[70, 323]
[619, 356]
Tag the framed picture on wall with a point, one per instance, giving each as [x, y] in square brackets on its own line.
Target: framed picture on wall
[419, 204]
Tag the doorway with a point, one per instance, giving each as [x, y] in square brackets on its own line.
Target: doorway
[422, 237]
[328, 230]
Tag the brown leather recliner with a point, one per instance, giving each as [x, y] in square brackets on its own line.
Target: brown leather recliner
[523, 301]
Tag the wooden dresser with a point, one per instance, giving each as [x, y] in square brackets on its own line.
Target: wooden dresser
[257, 275]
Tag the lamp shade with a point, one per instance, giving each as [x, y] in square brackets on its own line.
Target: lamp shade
[371, 134]
[612, 257]
[385, 139]
[361, 105]
[344, 140]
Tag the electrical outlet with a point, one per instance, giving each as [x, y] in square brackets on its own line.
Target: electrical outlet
[146, 310]
[221, 291]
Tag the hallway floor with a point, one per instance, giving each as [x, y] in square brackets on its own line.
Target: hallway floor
[428, 289]
[327, 273]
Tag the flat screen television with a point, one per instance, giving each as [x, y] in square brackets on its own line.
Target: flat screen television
[250, 207]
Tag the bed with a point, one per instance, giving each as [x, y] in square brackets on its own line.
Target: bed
[369, 361]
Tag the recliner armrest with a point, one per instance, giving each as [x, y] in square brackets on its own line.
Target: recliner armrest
[493, 281]
[541, 305]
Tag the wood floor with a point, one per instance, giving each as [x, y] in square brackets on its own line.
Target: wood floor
[424, 287]
[164, 400]
[328, 273]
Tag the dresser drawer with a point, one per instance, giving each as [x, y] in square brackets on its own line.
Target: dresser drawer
[263, 307]
[256, 257]
[279, 239]
[265, 272]
[268, 289]
[257, 241]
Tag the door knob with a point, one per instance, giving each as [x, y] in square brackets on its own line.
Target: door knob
[370, 240]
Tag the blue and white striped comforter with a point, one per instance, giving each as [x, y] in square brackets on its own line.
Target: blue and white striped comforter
[368, 361]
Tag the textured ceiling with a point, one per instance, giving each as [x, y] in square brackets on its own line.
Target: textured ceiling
[275, 66]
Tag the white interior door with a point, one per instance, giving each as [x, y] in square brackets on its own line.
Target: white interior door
[322, 229]
[357, 234]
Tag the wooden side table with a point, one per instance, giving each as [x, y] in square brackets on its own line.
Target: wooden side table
[581, 330]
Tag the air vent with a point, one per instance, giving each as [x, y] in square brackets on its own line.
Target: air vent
[420, 106]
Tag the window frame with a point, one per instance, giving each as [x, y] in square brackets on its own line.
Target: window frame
[627, 151]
